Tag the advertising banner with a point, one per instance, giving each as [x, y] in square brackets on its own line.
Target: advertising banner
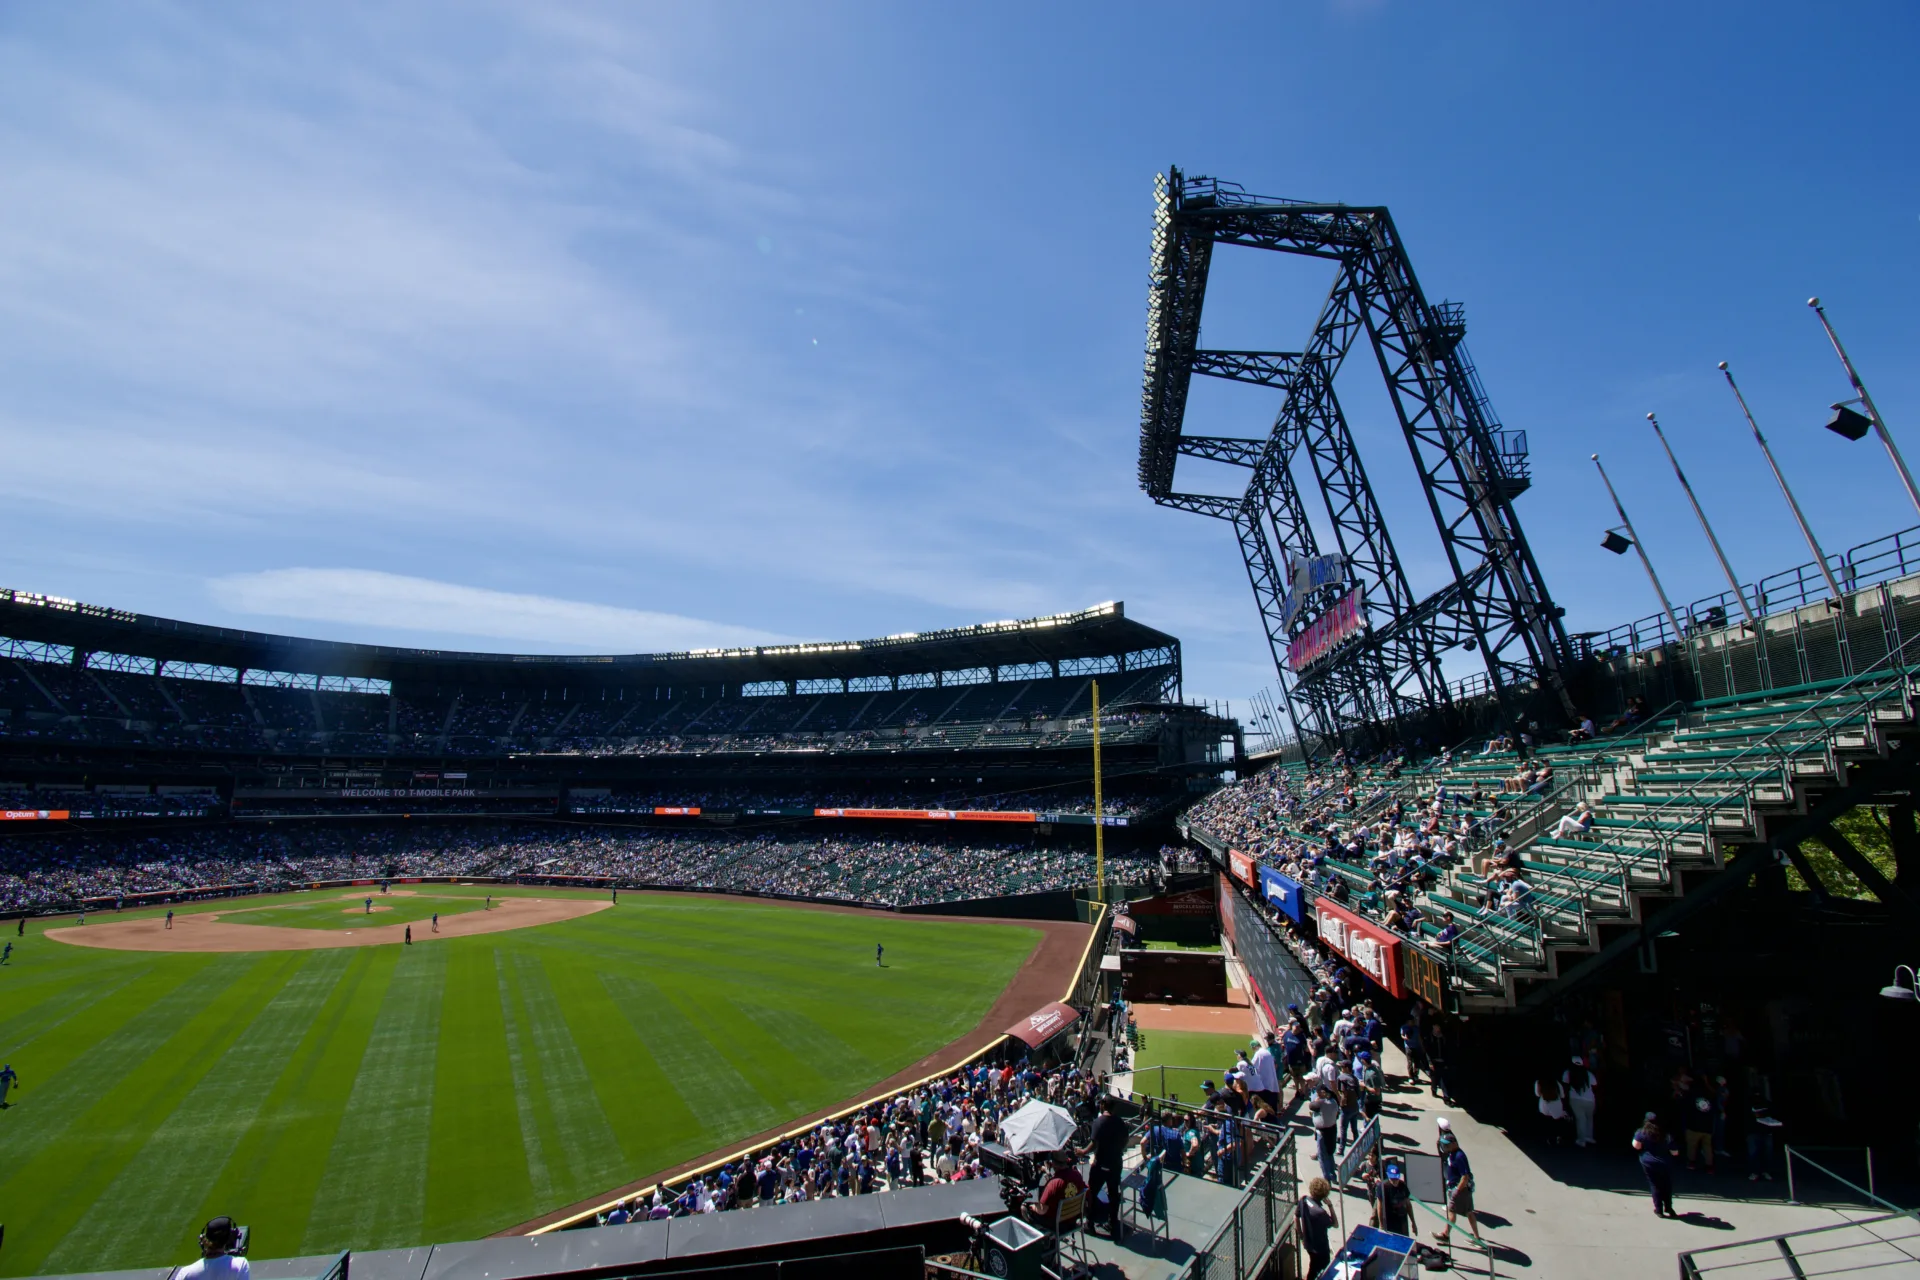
[1345, 620]
[676, 811]
[932, 815]
[1367, 947]
[1190, 902]
[1242, 867]
[33, 815]
[1282, 891]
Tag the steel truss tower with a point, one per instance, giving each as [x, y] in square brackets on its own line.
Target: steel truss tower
[1469, 466]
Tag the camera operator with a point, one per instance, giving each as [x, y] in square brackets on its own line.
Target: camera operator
[1065, 1178]
[216, 1262]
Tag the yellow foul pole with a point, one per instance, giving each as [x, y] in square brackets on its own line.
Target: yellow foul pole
[1099, 827]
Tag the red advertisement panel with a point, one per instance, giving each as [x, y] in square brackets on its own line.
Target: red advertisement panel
[1367, 947]
[1242, 867]
[33, 815]
[926, 815]
[1346, 619]
[676, 811]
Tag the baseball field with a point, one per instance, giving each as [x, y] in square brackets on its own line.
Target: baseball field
[337, 1087]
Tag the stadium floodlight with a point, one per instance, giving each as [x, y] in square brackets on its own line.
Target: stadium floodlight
[1844, 419]
[1845, 422]
[1806, 530]
[1894, 991]
[1615, 543]
[1632, 539]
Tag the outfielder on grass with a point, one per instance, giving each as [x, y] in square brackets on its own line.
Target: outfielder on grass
[8, 1078]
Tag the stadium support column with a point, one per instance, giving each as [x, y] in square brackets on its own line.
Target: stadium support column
[1099, 826]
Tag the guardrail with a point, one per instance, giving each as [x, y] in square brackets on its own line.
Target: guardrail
[1886, 1245]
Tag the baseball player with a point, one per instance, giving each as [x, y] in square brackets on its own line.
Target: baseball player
[8, 1078]
[436, 922]
[879, 950]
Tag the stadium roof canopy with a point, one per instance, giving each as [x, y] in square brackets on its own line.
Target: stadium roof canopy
[1103, 631]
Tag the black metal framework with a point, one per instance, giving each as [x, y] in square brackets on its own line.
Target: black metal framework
[1470, 467]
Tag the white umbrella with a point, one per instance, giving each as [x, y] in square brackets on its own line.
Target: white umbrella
[1037, 1126]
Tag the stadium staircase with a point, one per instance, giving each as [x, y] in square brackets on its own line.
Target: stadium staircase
[1687, 807]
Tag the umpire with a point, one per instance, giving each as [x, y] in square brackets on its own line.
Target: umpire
[1108, 1143]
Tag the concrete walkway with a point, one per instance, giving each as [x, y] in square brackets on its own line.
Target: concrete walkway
[1579, 1215]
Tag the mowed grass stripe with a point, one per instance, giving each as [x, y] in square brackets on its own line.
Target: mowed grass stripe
[520, 1053]
[476, 1160]
[272, 1178]
[92, 1061]
[164, 1187]
[563, 1092]
[374, 1192]
[165, 1053]
[55, 1003]
[695, 1069]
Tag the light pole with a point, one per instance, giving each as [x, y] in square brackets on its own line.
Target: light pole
[1613, 538]
[1720, 555]
[1819, 556]
[1841, 412]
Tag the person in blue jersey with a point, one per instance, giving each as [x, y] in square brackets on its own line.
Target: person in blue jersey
[879, 951]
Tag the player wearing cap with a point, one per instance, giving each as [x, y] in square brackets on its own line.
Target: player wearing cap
[215, 1261]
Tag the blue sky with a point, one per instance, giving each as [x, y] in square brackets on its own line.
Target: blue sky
[625, 327]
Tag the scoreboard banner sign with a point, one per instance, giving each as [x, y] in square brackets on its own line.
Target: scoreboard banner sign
[1282, 891]
[1242, 866]
[33, 815]
[1305, 575]
[676, 811]
[1345, 620]
[1425, 978]
[1367, 947]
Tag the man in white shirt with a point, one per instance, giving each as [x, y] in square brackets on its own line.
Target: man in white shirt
[214, 1262]
[1266, 1077]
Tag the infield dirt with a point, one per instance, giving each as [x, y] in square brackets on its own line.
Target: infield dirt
[202, 932]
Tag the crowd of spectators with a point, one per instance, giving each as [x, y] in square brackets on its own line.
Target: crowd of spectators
[54, 872]
[930, 1134]
[1342, 829]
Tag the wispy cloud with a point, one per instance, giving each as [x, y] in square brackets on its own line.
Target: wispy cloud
[371, 598]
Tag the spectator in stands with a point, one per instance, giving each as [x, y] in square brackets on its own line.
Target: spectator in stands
[1579, 823]
[1061, 1200]
[1315, 1217]
[1107, 1144]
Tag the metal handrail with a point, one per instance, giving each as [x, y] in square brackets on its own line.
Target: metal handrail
[1765, 747]
[1882, 560]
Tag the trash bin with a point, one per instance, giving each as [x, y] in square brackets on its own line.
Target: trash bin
[1014, 1250]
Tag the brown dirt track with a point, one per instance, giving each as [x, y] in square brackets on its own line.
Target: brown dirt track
[1044, 977]
[206, 931]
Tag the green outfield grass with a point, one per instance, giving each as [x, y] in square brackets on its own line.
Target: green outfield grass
[379, 1096]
